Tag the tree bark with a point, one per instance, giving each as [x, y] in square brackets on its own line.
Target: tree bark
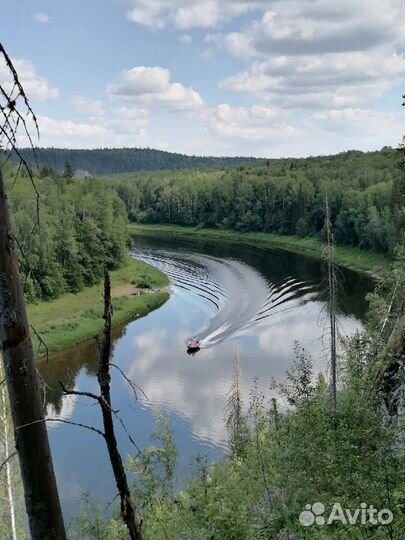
[40, 490]
[104, 378]
[332, 301]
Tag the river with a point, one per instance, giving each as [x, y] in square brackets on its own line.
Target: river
[238, 301]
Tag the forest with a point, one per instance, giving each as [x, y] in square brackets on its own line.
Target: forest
[68, 232]
[83, 222]
[365, 193]
[122, 160]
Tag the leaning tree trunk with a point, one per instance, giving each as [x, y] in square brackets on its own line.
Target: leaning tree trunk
[41, 495]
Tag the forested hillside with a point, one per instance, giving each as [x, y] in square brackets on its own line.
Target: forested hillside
[82, 223]
[121, 160]
[69, 235]
[365, 194]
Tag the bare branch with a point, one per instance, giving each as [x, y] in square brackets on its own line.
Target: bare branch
[19, 428]
[76, 393]
[41, 342]
[7, 460]
[134, 386]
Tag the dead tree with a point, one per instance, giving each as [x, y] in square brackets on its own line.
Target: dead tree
[108, 414]
[104, 378]
[329, 255]
[41, 495]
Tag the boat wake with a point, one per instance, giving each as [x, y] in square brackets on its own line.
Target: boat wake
[236, 295]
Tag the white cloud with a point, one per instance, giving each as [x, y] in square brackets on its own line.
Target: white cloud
[361, 123]
[184, 14]
[127, 120]
[93, 133]
[255, 123]
[41, 18]
[325, 81]
[319, 26]
[35, 86]
[319, 54]
[151, 87]
[89, 107]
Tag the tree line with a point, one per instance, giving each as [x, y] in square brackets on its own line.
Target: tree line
[101, 161]
[365, 191]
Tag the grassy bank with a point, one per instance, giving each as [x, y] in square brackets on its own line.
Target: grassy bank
[73, 318]
[355, 259]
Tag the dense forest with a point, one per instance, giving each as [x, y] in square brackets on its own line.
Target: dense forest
[365, 194]
[67, 234]
[121, 160]
[79, 227]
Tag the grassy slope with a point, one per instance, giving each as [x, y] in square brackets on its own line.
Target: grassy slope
[356, 259]
[75, 317]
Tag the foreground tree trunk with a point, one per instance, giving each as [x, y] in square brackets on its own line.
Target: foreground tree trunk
[332, 303]
[104, 378]
[41, 495]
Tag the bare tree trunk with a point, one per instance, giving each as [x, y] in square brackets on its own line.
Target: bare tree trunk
[104, 378]
[41, 495]
[332, 300]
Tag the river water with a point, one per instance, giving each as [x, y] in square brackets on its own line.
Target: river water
[237, 301]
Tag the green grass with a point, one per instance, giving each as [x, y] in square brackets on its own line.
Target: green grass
[72, 318]
[355, 259]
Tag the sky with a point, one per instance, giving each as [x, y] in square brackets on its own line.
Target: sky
[266, 78]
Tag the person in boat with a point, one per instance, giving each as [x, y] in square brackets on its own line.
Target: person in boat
[194, 344]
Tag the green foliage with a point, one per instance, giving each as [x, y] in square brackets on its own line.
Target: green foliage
[91, 525]
[68, 237]
[79, 315]
[287, 197]
[304, 455]
[155, 467]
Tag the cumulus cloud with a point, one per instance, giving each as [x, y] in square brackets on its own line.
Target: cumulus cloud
[91, 133]
[320, 26]
[152, 87]
[254, 123]
[360, 122]
[330, 80]
[41, 18]
[35, 86]
[184, 14]
[319, 54]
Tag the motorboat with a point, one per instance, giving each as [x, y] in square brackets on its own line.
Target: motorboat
[193, 346]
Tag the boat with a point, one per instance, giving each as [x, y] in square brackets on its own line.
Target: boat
[193, 346]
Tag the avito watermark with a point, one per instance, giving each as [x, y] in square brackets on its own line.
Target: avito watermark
[365, 515]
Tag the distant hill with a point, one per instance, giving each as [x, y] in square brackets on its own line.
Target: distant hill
[103, 161]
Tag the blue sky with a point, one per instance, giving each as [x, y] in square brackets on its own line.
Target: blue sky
[221, 77]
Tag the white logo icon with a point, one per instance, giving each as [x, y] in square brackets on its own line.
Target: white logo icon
[365, 515]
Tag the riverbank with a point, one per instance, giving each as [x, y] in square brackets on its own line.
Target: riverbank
[137, 289]
[368, 262]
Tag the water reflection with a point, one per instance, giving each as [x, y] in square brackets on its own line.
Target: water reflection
[258, 302]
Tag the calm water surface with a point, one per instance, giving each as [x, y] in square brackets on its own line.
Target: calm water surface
[235, 300]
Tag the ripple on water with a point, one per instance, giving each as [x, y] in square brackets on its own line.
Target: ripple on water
[239, 295]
